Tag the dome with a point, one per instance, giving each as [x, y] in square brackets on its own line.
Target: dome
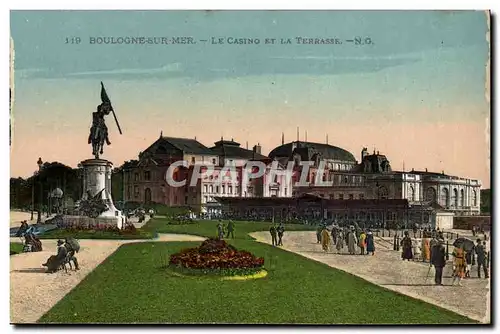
[328, 152]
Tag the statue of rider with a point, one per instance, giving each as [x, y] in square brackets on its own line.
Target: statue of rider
[99, 127]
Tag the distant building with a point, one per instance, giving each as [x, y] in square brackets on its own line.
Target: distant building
[144, 180]
[334, 174]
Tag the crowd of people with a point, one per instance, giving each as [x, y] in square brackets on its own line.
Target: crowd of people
[338, 238]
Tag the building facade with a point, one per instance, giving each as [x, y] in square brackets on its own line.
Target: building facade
[333, 174]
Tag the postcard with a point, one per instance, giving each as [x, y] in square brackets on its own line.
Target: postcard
[250, 167]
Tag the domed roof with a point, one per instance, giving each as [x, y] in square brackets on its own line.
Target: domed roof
[327, 151]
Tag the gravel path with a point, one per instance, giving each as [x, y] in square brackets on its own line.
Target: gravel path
[34, 292]
[388, 270]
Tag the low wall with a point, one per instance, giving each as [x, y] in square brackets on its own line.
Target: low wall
[467, 222]
[91, 223]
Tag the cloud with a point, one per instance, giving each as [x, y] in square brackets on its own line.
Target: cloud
[173, 67]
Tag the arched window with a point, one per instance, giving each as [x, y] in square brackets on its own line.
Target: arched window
[462, 198]
[383, 193]
[454, 198]
[430, 195]
[474, 198]
[445, 198]
[411, 193]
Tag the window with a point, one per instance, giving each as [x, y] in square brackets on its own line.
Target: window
[193, 160]
[237, 190]
[474, 198]
[361, 196]
[214, 161]
[229, 189]
[205, 199]
[147, 175]
[411, 193]
[284, 190]
[351, 196]
[332, 196]
[205, 188]
[430, 195]
[341, 196]
[136, 191]
[383, 193]
[136, 176]
[445, 198]
[211, 188]
[462, 198]
[223, 189]
[217, 189]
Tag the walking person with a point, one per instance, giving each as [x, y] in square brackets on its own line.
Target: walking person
[469, 261]
[230, 229]
[481, 254]
[220, 231]
[370, 243]
[334, 235]
[438, 260]
[459, 265]
[340, 242]
[325, 240]
[273, 232]
[362, 242]
[406, 253]
[281, 231]
[352, 241]
[319, 229]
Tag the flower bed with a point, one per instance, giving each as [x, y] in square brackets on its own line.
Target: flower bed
[216, 257]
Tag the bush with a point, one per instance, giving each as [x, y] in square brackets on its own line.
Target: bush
[216, 256]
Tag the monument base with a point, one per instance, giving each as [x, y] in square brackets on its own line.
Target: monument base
[98, 223]
[97, 192]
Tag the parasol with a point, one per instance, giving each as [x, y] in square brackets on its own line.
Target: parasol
[464, 243]
[73, 243]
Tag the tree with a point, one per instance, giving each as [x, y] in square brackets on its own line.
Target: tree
[485, 201]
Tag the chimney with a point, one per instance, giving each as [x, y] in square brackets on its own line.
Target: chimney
[257, 148]
[161, 133]
[327, 139]
[247, 144]
[306, 137]
[297, 134]
[282, 138]
[426, 170]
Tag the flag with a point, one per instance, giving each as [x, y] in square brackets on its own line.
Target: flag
[105, 99]
[104, 95]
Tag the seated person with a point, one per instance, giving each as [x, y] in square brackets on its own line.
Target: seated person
[71, 253]
[55, 261]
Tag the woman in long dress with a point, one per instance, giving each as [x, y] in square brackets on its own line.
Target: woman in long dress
[426, 249]
[340, 241]
[407, 253]
[325, 240]
[459, 265]
[370, 243]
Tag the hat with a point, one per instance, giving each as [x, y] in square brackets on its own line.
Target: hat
[59, 242]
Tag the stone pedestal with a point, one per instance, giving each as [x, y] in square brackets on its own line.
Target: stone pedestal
[97, 178]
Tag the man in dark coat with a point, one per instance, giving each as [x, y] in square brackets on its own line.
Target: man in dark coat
[230, 229]
[481, 259]
[407, 253]
[281, 231]
[438, 260]
[273, 232]
[71, 253]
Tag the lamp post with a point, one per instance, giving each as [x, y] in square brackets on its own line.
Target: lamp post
[39, 212]
[33, 195]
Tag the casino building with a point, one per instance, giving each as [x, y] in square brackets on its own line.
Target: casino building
[333, 175]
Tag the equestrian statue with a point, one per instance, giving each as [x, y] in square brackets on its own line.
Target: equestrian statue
[99, 131]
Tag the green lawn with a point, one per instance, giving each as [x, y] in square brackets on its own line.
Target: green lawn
[131, 287]
[208, 228]
[16, 248]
